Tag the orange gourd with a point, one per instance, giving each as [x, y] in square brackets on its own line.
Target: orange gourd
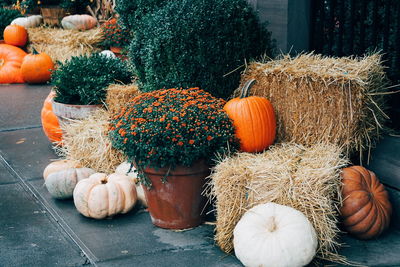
[36, 68]
[15, 35]
[11, 58]
[366, 209]
[50, 124]
[254, 120]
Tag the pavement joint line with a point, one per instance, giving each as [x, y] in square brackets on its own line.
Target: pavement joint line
[53, 213]
[20, 128]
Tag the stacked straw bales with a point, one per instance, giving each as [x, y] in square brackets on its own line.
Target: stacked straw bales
[86, 141]
[62, 44]
[118, 95]
[305, 178]
[323, 99]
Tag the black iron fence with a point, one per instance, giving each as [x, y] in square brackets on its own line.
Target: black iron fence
[354, 27]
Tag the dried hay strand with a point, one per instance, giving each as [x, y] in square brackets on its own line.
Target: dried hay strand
[118, 95]
[324, 99]
[87, 142]
[62, 44]
[306, 179]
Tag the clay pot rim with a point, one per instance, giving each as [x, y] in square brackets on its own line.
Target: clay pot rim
[198, 167]
[75, 105]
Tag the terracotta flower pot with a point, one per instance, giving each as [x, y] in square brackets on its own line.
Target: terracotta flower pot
[177, 203]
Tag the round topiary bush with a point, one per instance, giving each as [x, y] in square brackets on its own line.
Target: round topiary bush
[132, 12]
[198, 43]
[83, 80]
[6, 17]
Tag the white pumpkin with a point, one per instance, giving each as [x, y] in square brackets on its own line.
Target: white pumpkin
[79, 22]
[108, 53]
[28, 22]
[62, 176]
[102, 196]
[125, 169]
[273, 235]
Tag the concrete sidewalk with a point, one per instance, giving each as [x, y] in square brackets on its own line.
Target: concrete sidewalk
[36, 230]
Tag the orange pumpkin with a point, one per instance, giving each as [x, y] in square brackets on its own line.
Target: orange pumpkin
[50, 124]
[254, 120]
[15, 35]
[11, 58]
[366, 209]
[36, 68]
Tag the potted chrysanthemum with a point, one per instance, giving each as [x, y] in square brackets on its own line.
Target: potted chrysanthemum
[171, 136]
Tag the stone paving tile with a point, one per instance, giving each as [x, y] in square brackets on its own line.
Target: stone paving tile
[383, 251]
[5, 176]
[29, 100]
[27, 151]
[28, 236]
[178, 258]
[130, 234]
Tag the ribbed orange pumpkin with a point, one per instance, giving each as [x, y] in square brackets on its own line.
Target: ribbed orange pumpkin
[50, 124]
[366, 209]
[11, 58]
[254, 120]
[15, 35]
[36, 68]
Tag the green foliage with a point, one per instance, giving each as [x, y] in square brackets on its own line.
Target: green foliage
[166, 128]
[6, 3]
[83, 80]
[132, 12]
[115, 34]
[6, 16]
[77, 5]
[198, 43]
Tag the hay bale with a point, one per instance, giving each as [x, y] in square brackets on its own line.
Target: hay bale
[306, 179]
[324, 99]
[118, 95]
[61, 44]
[86, 141]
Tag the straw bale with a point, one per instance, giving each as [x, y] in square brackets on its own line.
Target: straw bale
[118, 95]
[61, 44]
[324, 99]
[86, 141]
[305, 178]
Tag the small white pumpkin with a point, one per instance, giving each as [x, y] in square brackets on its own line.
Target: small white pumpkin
[125, 169]
[28, 22]
[102, 196]
[273, 235]
[108, 53]
[78, 22]
[62, 176]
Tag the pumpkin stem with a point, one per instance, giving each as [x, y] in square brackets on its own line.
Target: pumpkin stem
[1, 62]
[104, 180]
[34, 51]
[271, 224]
[246, 88]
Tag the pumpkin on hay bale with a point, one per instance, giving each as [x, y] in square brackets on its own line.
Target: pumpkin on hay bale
[324, 99]
[86, 141]
[304, 178]
[61, 44]
[118, 95]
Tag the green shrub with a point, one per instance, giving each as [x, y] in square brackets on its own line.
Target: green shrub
[198, 43]
[83, 80]
[6, 16]
[132, 12]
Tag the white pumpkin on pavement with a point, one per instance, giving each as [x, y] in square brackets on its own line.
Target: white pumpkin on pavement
[273, 235]
[62, 176]
[28, 22]
[126, 169]
[102, 195]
